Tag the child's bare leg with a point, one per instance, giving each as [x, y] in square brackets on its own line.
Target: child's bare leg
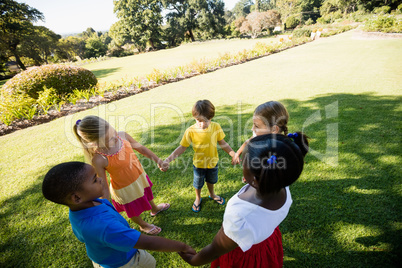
[211, 191]
[157, 208]
[197, 197]
[213, 195]
[146, 227]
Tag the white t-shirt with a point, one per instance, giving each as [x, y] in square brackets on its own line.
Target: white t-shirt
[248, 224]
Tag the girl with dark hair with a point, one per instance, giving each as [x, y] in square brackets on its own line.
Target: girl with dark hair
[249, 236]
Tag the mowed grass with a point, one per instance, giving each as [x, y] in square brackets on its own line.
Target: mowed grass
[142, 64]
[343, 92]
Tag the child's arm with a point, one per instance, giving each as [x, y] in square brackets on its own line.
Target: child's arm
[226, 147]
[157, 243]
[141, 148]
[176, 153]
[239, 152]
[100, 163]
[221, 244]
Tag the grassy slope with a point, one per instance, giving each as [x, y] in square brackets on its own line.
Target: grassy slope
[343, 215]
[142, 64]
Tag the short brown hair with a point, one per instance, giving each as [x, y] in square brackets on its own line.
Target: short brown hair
[203, 108]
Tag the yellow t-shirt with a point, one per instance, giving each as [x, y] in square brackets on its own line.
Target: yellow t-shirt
[205, 142]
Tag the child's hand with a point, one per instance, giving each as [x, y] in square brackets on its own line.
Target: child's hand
[189, 250]
[187, 256]
[164, 166]
[235, 159]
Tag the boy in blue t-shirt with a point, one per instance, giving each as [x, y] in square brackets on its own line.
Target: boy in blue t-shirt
[108, 238]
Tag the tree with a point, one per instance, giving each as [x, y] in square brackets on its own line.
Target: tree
[173, 33]
[140, 21]
[89, 32]
[242, 8]
[183, 13]
[120, 33]
[264, 5]
[40, 44]
[95, 47]
[207, 16]
[287, 8]
[211, 20]
[310, 9]
[257, 22]
[15, 25]
[71, 47]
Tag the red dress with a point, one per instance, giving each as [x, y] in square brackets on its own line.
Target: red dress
[267, 254]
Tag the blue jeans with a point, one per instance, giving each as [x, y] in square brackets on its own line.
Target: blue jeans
[209, 175]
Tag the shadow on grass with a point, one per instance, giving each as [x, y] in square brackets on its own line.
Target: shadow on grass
[101, 73]
[344, 215]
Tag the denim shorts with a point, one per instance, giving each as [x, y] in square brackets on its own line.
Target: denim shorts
[209, 175]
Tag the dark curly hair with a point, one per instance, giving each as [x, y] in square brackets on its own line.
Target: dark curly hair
[62, 180]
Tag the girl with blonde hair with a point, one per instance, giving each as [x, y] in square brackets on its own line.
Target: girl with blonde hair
[112, 151]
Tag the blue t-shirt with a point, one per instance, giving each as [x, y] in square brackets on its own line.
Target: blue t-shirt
[108, 238]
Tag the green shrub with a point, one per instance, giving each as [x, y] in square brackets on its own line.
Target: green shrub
[384, 23]
[399, 9]
[321, 20]
[301, 32]
[330, 17]
[63, 79]
[310, 21]
[47, 98]
[291, 22]
[358, 16]
[382, 10]
[17, 106]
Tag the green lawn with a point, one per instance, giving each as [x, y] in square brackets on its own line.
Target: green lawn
[143, 64]
[347, 203]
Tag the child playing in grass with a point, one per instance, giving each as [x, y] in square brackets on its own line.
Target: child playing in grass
[108, 238]
[270, 117]
[130, 186]
[204, 136]
[250, 236]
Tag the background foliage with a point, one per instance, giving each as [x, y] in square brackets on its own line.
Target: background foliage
[157, 24]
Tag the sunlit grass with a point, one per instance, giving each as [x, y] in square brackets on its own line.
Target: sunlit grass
[143, 64]
[345, 213]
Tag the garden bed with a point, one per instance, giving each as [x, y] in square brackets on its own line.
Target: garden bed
[123, 91]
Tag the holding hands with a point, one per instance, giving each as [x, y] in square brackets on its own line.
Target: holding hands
[235, 159]
[163, 165]
[187, 256]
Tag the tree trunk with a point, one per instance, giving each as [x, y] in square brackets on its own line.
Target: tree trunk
[191, 35]
[17, 59]
[151, 42]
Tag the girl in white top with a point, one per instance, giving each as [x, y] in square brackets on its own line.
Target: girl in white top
[249, 236]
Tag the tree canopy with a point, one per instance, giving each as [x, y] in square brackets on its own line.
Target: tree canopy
[16, 26]
[139, 20]
[188, 16]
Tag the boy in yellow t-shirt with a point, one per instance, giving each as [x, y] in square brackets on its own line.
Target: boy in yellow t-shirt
[204, 135]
